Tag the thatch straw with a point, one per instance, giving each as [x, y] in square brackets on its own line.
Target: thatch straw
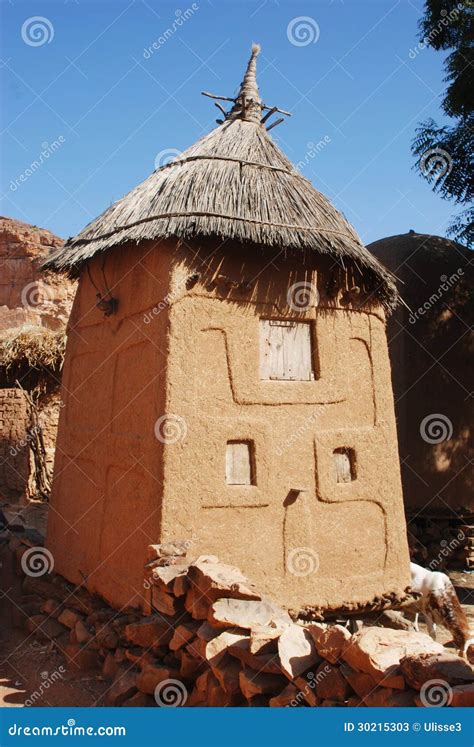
[234, 183]
[32, 347]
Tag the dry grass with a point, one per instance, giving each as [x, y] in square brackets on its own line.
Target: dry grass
[31, 347]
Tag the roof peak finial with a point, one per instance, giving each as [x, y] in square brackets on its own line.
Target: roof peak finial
[247, 105]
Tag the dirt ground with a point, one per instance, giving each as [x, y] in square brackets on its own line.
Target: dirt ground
[26, 665]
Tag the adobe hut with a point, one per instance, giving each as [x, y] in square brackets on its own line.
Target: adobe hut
[430, 345]
[227, 382]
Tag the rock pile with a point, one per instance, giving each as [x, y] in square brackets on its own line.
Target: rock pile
[211, 639]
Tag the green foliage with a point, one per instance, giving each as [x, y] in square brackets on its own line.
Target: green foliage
[445, 154]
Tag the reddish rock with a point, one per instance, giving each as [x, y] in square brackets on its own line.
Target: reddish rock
[378, 651]
[152, 674]
[306, 685]
[81, 658]
[155, 630]
[217, 580]
[286, 698]
[330, 640]
[51, 607]
[183, 634]
[386, 696]
[123, 687]
[297, 651]
[363, 684]
[419, 668]
[330, 684]
[69, 618]
[83, 634]
[227, 670]
[165, 603]
[110, 667]
[139, 700]
[463, 696]
[242, 613]
[264, 640]
[195, 604]
[226, 641]
[260, 683]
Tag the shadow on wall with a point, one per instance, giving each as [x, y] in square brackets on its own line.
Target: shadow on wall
[431, 349]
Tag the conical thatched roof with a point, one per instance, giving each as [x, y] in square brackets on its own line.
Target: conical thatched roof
[235, 183]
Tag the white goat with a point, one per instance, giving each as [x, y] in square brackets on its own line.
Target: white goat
[439, 604]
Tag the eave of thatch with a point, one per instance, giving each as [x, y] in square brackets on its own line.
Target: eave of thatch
[235, 183]
[32, 354]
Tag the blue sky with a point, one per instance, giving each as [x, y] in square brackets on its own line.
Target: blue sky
[81, 88]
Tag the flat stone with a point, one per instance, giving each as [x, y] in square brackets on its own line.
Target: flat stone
[243, 613]
[110, 667]
[463, 696]
[176, 548]
[154, 630]
[419, 668]
[259, 663]
[260, 683]
[297, 651]
[330, 640]
[164, 576]
[363, 683]
[190, 667]
[69, 618]
[165, 603]
[225, 641]
[51, 607]
[183, 634]
[123, 687]
[140, 700]
[386, 696]
[306, 684]
[217, 580]
[378, 651]
[81, 658]
[330, 684]
[286, 698]
[196, 606]
[83, 635]
[227, 672]
[264, 640]
[152, 674]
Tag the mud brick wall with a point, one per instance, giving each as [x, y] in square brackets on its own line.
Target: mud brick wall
[14, 448]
